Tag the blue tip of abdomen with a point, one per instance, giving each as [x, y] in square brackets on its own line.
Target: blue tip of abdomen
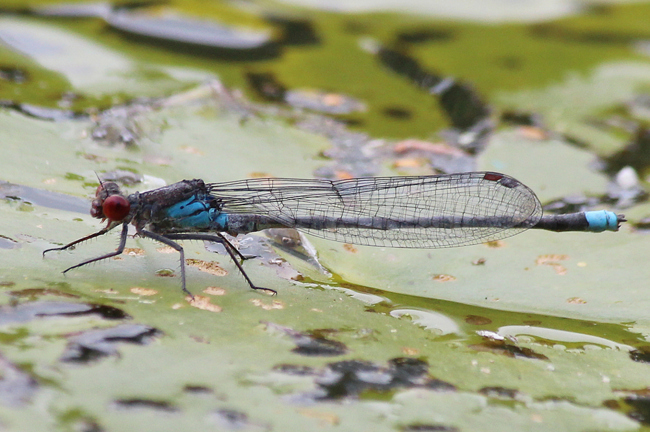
[602, 220]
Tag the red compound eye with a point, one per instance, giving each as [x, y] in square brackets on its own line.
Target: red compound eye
[116, 207]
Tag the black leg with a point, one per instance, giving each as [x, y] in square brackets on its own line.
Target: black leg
[232, 250]
[166, 240]
[118, 251]
[224, 241]
[81, 240]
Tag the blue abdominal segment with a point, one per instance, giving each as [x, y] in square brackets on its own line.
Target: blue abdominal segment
[602, 220]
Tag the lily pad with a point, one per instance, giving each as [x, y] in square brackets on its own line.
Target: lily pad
[541, 330]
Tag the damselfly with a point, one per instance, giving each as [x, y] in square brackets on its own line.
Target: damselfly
[403, 212]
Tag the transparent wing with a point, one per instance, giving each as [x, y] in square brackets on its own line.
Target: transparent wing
[406, 207]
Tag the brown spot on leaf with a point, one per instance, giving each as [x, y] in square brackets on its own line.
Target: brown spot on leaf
[143, 291]
[576, 300]
[207, 266]
[203, 302]
[477, 320]
[326, 418]
[133, 251]
[216, 291]
[275, 304]
[553, 261]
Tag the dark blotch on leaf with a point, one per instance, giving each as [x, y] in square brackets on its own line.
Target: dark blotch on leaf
[406, 369]
[298, 370]
[461, 102]
[82, 354]
[477, 320]
[440, 385]
[521, 118]
[39, 309]
[231, 419]
[94, 344]
[429, 428]
[267, 86]
[424, 35]
[310, 346]
[499, 392]
[197, 389]
[509, 350]
[641, 408]
[398, 113]
[463, 105]
[136, 403]
[352, 121]
[641, 354]
[106, 312]
[296, 31]
[352, 377]
[343, 379]
[14, 74]
[576, 142]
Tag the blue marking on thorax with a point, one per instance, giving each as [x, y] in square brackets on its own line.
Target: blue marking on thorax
[602, 220]
[194, 212]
